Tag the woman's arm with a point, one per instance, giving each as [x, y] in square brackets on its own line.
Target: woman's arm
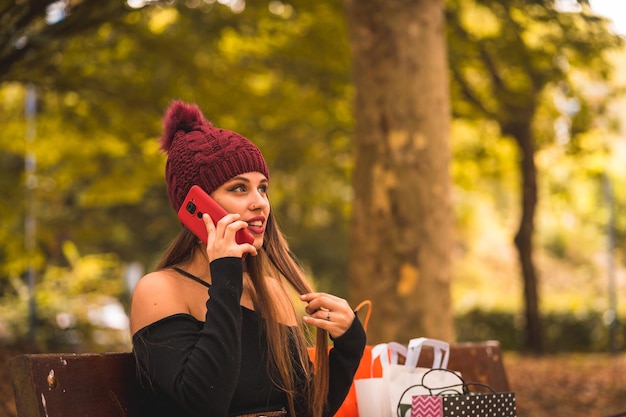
[198, 369]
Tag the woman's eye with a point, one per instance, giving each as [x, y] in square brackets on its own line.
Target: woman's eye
[239, 188]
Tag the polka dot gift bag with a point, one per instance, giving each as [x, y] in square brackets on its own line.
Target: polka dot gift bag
[496, 404]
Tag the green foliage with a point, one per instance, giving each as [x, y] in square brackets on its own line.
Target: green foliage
[506, 53]
[77, 305]
[564, 331]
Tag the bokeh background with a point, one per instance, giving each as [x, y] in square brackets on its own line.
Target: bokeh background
[84, 213]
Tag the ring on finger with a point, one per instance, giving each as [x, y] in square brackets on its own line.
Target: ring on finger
[328, 316]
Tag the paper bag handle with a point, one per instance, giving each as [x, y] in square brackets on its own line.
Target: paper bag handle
[441, 352]
[388, 354]
[358, 308]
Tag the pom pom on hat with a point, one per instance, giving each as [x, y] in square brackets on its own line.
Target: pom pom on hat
[180, 116]
[199, 153]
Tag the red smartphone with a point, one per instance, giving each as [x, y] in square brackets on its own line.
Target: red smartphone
[196, 203]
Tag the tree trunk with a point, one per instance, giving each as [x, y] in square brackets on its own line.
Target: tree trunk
[402, 227]
[533, 338]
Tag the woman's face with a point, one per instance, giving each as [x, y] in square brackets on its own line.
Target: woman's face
[246, 195]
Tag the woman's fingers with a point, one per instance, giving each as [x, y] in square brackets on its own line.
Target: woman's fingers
[221, 240]
[328, 312]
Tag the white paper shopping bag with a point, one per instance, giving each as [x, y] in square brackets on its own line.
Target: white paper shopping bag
[372, 394]
[405, 381]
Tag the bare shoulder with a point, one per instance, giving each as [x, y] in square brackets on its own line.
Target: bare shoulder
[157, 295]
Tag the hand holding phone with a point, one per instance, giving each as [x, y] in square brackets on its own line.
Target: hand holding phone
[196, 203]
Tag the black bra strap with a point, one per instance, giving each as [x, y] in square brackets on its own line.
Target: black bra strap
[188, 275]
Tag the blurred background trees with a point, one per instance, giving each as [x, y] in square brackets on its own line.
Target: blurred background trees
[511, 56]
[280, 74]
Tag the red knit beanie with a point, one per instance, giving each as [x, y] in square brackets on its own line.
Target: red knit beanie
[199, 153]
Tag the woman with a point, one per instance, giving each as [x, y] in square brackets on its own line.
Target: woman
[217, 336]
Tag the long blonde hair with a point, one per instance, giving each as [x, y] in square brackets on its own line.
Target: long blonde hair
[275, 260]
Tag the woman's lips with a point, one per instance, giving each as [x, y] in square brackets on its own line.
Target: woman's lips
[256, 225]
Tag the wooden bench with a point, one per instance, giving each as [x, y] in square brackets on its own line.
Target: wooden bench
[76, 385]
[104, 385]
[479, 362]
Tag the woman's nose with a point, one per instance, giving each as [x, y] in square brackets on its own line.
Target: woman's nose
[258, 202]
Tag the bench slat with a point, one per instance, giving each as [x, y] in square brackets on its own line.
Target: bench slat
[104, 385]
[59, 385]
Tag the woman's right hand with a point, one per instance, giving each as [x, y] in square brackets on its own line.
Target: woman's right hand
[221, 241]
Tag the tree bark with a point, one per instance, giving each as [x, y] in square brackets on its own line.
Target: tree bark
[402, 226]
[533, 337]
